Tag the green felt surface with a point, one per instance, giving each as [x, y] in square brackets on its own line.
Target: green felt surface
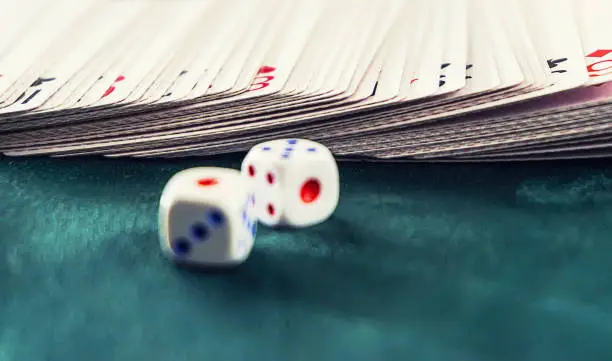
[420, 262]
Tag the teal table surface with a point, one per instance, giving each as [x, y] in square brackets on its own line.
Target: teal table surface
[420, 262]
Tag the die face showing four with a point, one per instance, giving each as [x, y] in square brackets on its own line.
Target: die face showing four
[265, 179]
[305, 187]
[207, 217]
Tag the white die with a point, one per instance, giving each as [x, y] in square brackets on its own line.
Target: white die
[206, 217]
[295, 182]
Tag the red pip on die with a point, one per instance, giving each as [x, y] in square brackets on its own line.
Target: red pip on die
[295, 182]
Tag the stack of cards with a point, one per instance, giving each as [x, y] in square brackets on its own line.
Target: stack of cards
[384, 79]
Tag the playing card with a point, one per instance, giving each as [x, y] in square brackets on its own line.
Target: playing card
[229, 37]
[122, 16]
[489, 124]
[137, 71]
[571, 124]
[319, 47]
[559, 79]
[593, 20]
[578, 142]
[363, 66]
[25, 61]
[572, 155]
[309, 76]
[72, 53]
[428, 69]
[367, 19]
[187, 61]
[366, 53]
[563, 80]
[547, 148]
[159, 55]
[286, 49]
[347, 83]
[328, 40]
[421, 79]
[15, 17]
[187, 86]
[496, 121]
[556, 40]
[454, 58]
[105, 73]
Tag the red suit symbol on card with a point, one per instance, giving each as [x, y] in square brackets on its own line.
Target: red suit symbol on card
[111, 88]
[603, 66]
[263, 81]
[266, 69]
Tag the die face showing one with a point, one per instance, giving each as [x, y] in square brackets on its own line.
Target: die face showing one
[312, 181]
[203, 183]
[306, 187]
[206, 217]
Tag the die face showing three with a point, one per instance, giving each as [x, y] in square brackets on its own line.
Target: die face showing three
[206, 217]
[198, 232]
[295, 181]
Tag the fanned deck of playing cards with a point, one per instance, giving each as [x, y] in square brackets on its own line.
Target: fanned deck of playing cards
[429, 80]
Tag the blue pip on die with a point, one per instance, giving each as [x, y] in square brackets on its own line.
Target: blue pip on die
[295, 182]
[206, 217]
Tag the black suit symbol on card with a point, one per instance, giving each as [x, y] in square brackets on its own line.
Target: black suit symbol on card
[173, 84]
[34, 88]
[446, 65]
[553, 63]
[375, 88]
[99, 78]
[468, 72]
[442, 76]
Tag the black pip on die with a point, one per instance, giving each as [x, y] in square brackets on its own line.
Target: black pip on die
[206, 217]
[295, 182]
